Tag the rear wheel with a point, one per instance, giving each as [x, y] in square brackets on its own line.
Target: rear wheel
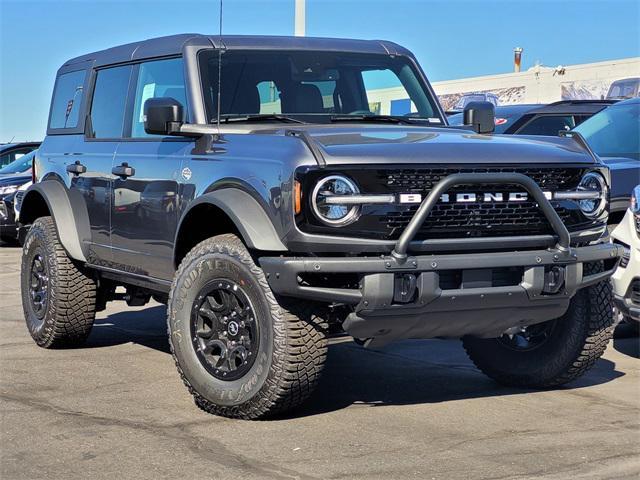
[241, 353]
[552, 353]
[58, 298]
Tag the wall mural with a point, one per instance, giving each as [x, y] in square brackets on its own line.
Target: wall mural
[506, 96]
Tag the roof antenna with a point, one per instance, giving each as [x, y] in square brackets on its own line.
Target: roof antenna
[219, 70]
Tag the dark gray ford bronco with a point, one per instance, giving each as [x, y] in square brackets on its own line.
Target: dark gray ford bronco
[273, 189]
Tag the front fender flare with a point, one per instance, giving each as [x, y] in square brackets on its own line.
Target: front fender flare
[69, 212]
[248, 216]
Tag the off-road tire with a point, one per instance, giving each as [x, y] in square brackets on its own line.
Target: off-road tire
[577, 340]
[71, 302]
[293, 343]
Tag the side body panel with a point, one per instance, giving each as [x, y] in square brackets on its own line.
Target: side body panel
[145, 206]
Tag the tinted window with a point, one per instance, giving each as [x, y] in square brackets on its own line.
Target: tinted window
[109, 102]
[67, 99]
[547, 125]
[162, 78]
[614, 131]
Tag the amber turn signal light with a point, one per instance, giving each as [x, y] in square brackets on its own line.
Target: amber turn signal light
[297, 197]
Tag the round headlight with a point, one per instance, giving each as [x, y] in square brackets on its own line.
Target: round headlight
[593, 182]
[328, 211]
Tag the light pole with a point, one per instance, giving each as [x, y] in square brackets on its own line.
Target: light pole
[300, 18]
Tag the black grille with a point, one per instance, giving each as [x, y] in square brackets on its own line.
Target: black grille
[635, 292]
[423, 180]
[480, 219]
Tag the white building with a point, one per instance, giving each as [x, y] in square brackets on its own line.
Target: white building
[539, 84]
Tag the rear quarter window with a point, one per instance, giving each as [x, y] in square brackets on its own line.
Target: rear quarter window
[67, 100]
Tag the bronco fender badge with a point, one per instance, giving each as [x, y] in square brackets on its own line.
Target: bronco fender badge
[186, 173]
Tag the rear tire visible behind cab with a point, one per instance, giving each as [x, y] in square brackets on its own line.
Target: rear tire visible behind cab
[552, 353]
[58, 297]
[240, 352]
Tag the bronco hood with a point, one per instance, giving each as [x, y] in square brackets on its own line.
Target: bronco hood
[396, 144]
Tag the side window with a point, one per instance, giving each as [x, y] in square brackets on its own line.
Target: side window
[160, 78]
[67, 99]
[269, 97]
[382, 87]
[109, 102]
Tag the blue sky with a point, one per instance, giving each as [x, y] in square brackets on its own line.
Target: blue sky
[451, 38]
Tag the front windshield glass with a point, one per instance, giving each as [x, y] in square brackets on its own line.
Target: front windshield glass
[21, 165]
[314, 86]
[614, 132]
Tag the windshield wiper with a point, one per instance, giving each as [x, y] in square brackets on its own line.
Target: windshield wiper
[373, 118]
[259, 117]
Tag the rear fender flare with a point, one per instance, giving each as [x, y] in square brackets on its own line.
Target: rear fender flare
[69, 212]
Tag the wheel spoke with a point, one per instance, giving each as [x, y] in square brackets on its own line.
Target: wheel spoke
[207, 312]
[214, 305]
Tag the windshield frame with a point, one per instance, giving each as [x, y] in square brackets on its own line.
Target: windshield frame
[438, 117]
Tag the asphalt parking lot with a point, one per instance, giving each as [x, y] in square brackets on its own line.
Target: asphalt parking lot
[416, 409]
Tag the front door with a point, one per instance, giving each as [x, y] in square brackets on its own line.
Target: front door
[144, 212]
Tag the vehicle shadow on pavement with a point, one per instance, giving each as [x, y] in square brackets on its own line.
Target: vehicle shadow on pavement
[403, 373]
[413, 372]
[145, 327]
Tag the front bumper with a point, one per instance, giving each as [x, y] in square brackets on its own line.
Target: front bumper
[400, 295]
[479, 305]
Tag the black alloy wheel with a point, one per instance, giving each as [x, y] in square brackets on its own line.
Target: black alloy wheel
[224, 331]
[39, 286]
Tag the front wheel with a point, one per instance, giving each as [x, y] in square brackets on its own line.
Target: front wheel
[58, 296]
[241, 353]
[552, 353]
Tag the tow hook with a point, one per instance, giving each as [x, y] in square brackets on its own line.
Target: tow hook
[553, 279]
[404, 288]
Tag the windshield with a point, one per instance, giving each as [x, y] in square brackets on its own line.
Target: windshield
[614, 132]
[314, 86]
[21, 165]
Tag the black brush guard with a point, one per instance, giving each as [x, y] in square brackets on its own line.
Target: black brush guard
[476, 307]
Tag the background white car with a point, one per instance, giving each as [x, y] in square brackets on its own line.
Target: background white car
[626, 279]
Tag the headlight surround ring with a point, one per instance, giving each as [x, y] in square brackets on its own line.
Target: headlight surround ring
[342, 214]
[593, 181]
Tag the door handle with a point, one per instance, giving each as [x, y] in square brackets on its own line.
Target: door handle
[76, 168]
[123, 170]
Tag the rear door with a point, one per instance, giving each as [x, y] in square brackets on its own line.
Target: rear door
[144, 213]
[103, 133]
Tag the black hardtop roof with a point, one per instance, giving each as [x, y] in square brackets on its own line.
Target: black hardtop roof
[173, 45]
[574, 106]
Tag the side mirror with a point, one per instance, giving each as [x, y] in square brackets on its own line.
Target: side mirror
[162, 116]
[481, 116]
